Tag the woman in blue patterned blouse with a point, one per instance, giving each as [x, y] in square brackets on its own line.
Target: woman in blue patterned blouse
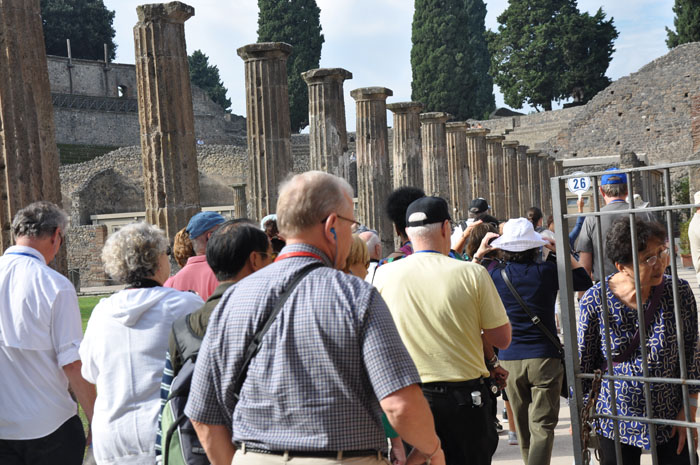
[662, 345]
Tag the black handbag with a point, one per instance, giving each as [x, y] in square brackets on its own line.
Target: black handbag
[538, 323]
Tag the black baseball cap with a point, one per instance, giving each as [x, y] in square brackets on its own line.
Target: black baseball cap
[427, 210]
[478, 205]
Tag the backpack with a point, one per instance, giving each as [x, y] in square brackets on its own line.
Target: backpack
[180, 443]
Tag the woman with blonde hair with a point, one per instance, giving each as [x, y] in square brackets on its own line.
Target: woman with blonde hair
[358, 258]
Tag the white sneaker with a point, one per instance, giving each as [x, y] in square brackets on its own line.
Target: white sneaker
[512, 438]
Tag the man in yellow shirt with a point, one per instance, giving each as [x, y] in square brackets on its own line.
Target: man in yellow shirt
[442, 307]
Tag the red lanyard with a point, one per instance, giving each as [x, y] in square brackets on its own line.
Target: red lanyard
[299, 254]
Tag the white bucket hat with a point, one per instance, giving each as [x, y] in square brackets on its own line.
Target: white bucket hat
[518, 236]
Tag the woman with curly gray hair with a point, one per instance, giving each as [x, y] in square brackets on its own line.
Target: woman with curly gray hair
[124, 343]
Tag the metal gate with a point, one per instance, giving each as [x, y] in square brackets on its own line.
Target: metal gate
[569, 319]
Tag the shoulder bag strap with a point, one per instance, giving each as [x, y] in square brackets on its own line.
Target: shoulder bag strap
[534, 318]
[648, 316]
[254, 345]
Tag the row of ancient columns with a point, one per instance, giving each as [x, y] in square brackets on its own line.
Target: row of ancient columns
[449, 160]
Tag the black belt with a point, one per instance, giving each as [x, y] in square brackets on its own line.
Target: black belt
[444, 386]
[312, 453]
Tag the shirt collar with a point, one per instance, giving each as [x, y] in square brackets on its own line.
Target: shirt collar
[196, 259]
[307, 248]
[23, 249]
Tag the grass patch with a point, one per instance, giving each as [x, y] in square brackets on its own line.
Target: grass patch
[87, 303]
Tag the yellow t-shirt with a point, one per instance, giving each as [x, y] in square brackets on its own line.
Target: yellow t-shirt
[440, 305]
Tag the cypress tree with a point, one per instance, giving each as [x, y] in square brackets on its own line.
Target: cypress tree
[450, 58]
[296, 22]
[686, 22]
[206, 77]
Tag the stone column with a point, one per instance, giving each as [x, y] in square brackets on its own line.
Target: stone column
[510, 175]
[240, 202]
[533, 179]
[168, 148]
[373, 169]
[497, 201]
[267, 123]
[478, 163]
[434, 148]
[545, 198]
[28, 154]
[458, 169]
[523, 184]
[328, 137]
[407, 158]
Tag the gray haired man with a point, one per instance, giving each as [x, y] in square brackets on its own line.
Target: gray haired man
[40, 333]
[331, 362]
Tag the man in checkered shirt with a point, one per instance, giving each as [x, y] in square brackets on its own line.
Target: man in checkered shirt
[331, 362]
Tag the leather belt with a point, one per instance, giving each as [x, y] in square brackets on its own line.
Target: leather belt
[444, 386]
[339, 455]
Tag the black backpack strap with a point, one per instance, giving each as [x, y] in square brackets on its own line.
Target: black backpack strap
[254, 345]
[186, 340]
[534, 318]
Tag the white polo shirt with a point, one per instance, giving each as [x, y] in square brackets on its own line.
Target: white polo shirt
[40, 332]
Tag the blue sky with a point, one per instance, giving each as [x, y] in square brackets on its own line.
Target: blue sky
[372, 39]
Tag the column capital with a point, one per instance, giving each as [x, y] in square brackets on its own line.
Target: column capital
[495, 138]
[457, 126]
[543, 155]
[405, 107]
[532, 152]
[371, 93]
[318, 75]
[173, 12]
[264, 50]
[473, 132]
[511, 143]
[435, 117]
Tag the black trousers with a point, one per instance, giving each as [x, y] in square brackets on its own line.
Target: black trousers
[65, 446]
[631, 454]
[466, 430]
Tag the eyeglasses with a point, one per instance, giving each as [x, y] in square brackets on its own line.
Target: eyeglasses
[272, 255]
[168, 251]
[354, 224]
[664, 254]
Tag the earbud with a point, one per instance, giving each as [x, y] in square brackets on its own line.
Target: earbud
[333, 232]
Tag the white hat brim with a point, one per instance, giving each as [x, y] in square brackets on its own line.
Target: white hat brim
[518, 245]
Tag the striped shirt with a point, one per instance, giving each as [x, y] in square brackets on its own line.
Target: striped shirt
[330, 355]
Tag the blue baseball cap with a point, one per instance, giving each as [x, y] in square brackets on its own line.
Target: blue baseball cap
[203, 222]
[617, 178]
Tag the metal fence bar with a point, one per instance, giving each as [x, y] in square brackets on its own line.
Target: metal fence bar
[568, 313]
[689, 382]
[635, 210]
[641, 325]
[596, 174]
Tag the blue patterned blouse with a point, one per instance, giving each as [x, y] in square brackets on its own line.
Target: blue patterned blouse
[662, 351]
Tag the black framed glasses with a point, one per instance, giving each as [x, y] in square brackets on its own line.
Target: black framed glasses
[354, 224]
[169, 251]
[272, 255]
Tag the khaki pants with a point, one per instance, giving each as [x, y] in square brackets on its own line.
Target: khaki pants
[254, 458]
[533, 390]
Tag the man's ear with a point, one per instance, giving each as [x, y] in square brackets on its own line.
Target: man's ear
[255, 260]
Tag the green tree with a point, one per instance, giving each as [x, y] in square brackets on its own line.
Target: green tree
[686, 22]
[546, 50]
[206, 77]
[87, 23]
[296, 22]
[587, 48]
[450, 58]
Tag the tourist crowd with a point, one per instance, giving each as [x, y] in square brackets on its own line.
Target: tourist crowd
[301, 339]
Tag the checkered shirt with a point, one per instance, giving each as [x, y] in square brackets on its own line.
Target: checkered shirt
[331, 353]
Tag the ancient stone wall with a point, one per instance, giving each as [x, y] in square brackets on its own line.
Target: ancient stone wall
[95, 104]
[84, 250]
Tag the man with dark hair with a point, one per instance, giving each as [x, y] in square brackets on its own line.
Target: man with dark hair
[395, 207]
[235, 250]
[40, 334]
[613, 188]
[478, 210]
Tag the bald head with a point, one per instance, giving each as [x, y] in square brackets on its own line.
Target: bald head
[374, 244]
